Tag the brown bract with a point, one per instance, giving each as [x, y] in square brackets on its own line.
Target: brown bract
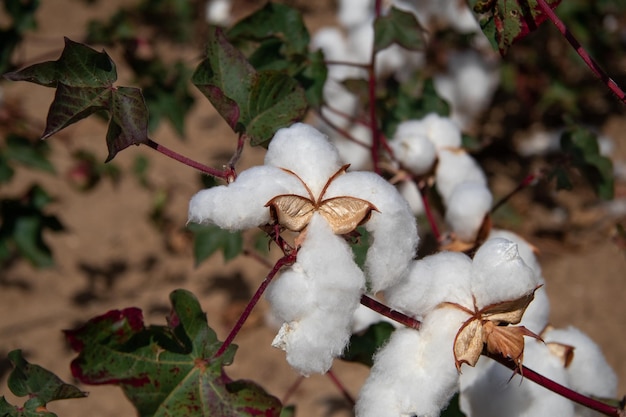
[488, 328]
[343, 213]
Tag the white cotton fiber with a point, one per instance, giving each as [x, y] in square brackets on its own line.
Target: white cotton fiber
[455, 167]
[304, 150]
[414, 150]
[355, 12]
[218, 12]
[414, 373]
[393, 228]
[537, 314]
[412, 195]
[319, 329]
[525, 249]
[443, 277]
[466, 209]
[241, 204]
[364, 317]
[442, 131]
[499, 273]
[340, 100]
[358, 155]
[589, 372]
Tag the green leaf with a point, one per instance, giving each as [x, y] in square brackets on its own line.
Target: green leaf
[398, 27]
[251, 102]
[582, 147]
[274, 21]
[454, 408]
[129, 120]
[22, 150]
[363, 346]
[72, 104]
[507, 21]
[210, 239]
[78, 66]
[38, 384]
[166, 370]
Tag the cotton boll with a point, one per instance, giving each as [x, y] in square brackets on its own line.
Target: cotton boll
[442, 131]
[455, 167]
[412, 195]
[332, 42]
[499, 273]
[392, 227]
[443, 277]
[355, 12]
[414, 151]
[589, 372]
[241, 204]
[306, 151]
[341, 100]
[218, 12]
[467, 207]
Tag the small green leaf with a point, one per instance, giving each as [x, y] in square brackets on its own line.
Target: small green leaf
[454, 408]
[26, 152]
[167, 370]
[398, 27]
[582, 147]
[210, 239]
[363, 346]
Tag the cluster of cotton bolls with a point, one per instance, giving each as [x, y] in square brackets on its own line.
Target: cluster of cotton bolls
[304, 187]
[434, 143]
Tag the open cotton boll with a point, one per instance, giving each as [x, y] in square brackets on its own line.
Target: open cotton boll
[414, 151]
[432, 280]
[218, 12]
[306, 151]
[589, 372]
[442, 131]
[241, 204]
[455, 167]
[414, 373]
[355, 12]
[411, 194]
[466, 209]
[392, 227]
[499, 273]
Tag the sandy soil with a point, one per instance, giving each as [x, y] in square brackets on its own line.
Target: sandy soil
[110, 256]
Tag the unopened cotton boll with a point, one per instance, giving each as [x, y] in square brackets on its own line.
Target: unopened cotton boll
[467, 207]
[588, 373]
[499, 273]
[454, 168]
[392, 226]
[438, 278]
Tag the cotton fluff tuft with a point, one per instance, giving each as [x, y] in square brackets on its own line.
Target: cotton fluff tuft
[318, 330]
[467, 207]
[443, 277]
[413, 149]
[499, 273]
[241, 204]
[455, 167]
[305, 150]
[392, 227]
[412, 195]
[414, 373]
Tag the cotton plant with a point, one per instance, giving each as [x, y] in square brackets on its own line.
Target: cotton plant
[464, 306]
[304, 187]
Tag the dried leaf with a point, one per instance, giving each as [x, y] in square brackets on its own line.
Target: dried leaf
[562, 351]
[509, 312]
[507, 341]
[344, 214]
[291, 211]
[468, 343]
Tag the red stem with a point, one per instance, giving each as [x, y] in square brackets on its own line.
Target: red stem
[223, 174]
[284, 261]
[292, 389]
[560, 389]
[388, 312]
[340, 386]
[591, 63]
[529, 180]
[429, 213]
[371, 84]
